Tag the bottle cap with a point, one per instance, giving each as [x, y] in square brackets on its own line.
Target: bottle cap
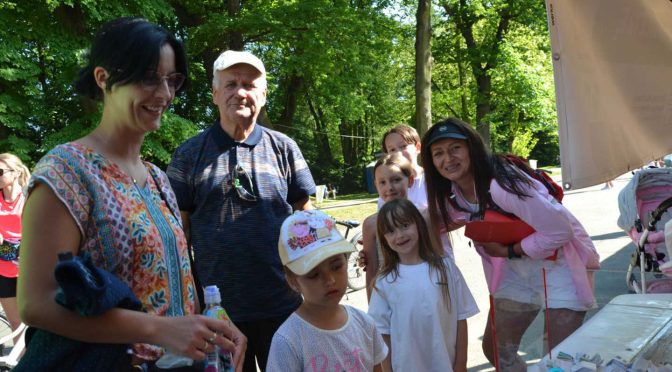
[211, 294]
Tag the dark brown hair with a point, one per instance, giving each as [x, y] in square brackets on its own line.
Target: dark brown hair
[399, 212]
[128, 48]
[484, 166]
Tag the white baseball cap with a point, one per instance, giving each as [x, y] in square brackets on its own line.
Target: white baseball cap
[234, 57]
[309, 237]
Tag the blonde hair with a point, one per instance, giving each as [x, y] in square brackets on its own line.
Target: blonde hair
[397, 160]
[399, 212]
[15, 164]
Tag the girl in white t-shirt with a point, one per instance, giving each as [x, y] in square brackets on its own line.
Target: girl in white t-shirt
[393, 175]
[420, 301]
[321, 335]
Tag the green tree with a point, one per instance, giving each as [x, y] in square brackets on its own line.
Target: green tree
[340, 72]
[476, 32]
[332, 75]
[523, 96]
[43, 45]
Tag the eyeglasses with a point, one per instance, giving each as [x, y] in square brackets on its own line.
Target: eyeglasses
[2, 171]
[153, 81]
[238, 173]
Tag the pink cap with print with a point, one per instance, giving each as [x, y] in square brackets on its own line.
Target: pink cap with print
[309, 237]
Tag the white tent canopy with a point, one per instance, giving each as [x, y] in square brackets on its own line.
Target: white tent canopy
[612, 63]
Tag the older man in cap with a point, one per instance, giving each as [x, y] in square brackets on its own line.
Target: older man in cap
[235, 183]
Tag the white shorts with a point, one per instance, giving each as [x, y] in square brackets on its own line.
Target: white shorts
[523, 281]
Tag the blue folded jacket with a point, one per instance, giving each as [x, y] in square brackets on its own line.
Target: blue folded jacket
[87, 290]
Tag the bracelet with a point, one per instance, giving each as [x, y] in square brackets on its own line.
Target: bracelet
[512, 253]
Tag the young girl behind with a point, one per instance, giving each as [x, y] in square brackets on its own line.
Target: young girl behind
[404, 139]
[393, 175]
[433, 335]
[321, 335]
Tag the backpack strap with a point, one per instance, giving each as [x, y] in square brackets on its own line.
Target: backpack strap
[493, 206]
[540, 175]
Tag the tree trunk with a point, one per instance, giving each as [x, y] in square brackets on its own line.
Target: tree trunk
[484, 58]
[291, 86]
[483, 106]
[464, 105]
[234, 38]
[347, 144]
[325, 158]
[423, 67]
[71, 18]
[264, 120]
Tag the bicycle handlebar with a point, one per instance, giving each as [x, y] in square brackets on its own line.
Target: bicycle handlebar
[350, 224]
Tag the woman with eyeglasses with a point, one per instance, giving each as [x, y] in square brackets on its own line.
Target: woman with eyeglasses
[14, 176]
[96, 197]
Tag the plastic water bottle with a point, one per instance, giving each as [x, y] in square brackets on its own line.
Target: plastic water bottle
[218, 360]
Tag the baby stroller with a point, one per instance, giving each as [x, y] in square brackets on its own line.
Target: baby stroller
[644, 205]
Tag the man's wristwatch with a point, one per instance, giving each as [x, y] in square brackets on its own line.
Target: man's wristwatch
[512, 253]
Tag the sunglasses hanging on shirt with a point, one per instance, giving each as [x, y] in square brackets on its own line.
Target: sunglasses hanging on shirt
[241, 182]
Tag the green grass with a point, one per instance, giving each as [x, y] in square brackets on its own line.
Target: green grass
[347, 197]
[356, 212]
[340, 199]
[350, 212]
[356, 196]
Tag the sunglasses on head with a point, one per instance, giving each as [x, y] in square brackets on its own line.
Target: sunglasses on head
[3, 171]
[238, 174]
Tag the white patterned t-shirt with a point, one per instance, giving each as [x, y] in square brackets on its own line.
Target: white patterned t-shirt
[300, 346]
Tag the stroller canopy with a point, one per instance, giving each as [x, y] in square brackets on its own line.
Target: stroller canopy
[654, 184]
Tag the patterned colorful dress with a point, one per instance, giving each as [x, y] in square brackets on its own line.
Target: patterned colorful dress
[134, 232]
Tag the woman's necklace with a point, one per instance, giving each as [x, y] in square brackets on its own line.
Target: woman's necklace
[469, 198]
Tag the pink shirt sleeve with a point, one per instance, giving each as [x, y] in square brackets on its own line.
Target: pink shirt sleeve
[552, 225]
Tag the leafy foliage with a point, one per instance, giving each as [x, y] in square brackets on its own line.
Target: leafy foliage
[340, 72]
[496, 68]
[39, 59]
[523, 143]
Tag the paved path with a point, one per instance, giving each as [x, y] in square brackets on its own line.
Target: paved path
[598, 210]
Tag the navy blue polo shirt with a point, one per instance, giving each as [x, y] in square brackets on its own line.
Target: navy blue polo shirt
[235, 240]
